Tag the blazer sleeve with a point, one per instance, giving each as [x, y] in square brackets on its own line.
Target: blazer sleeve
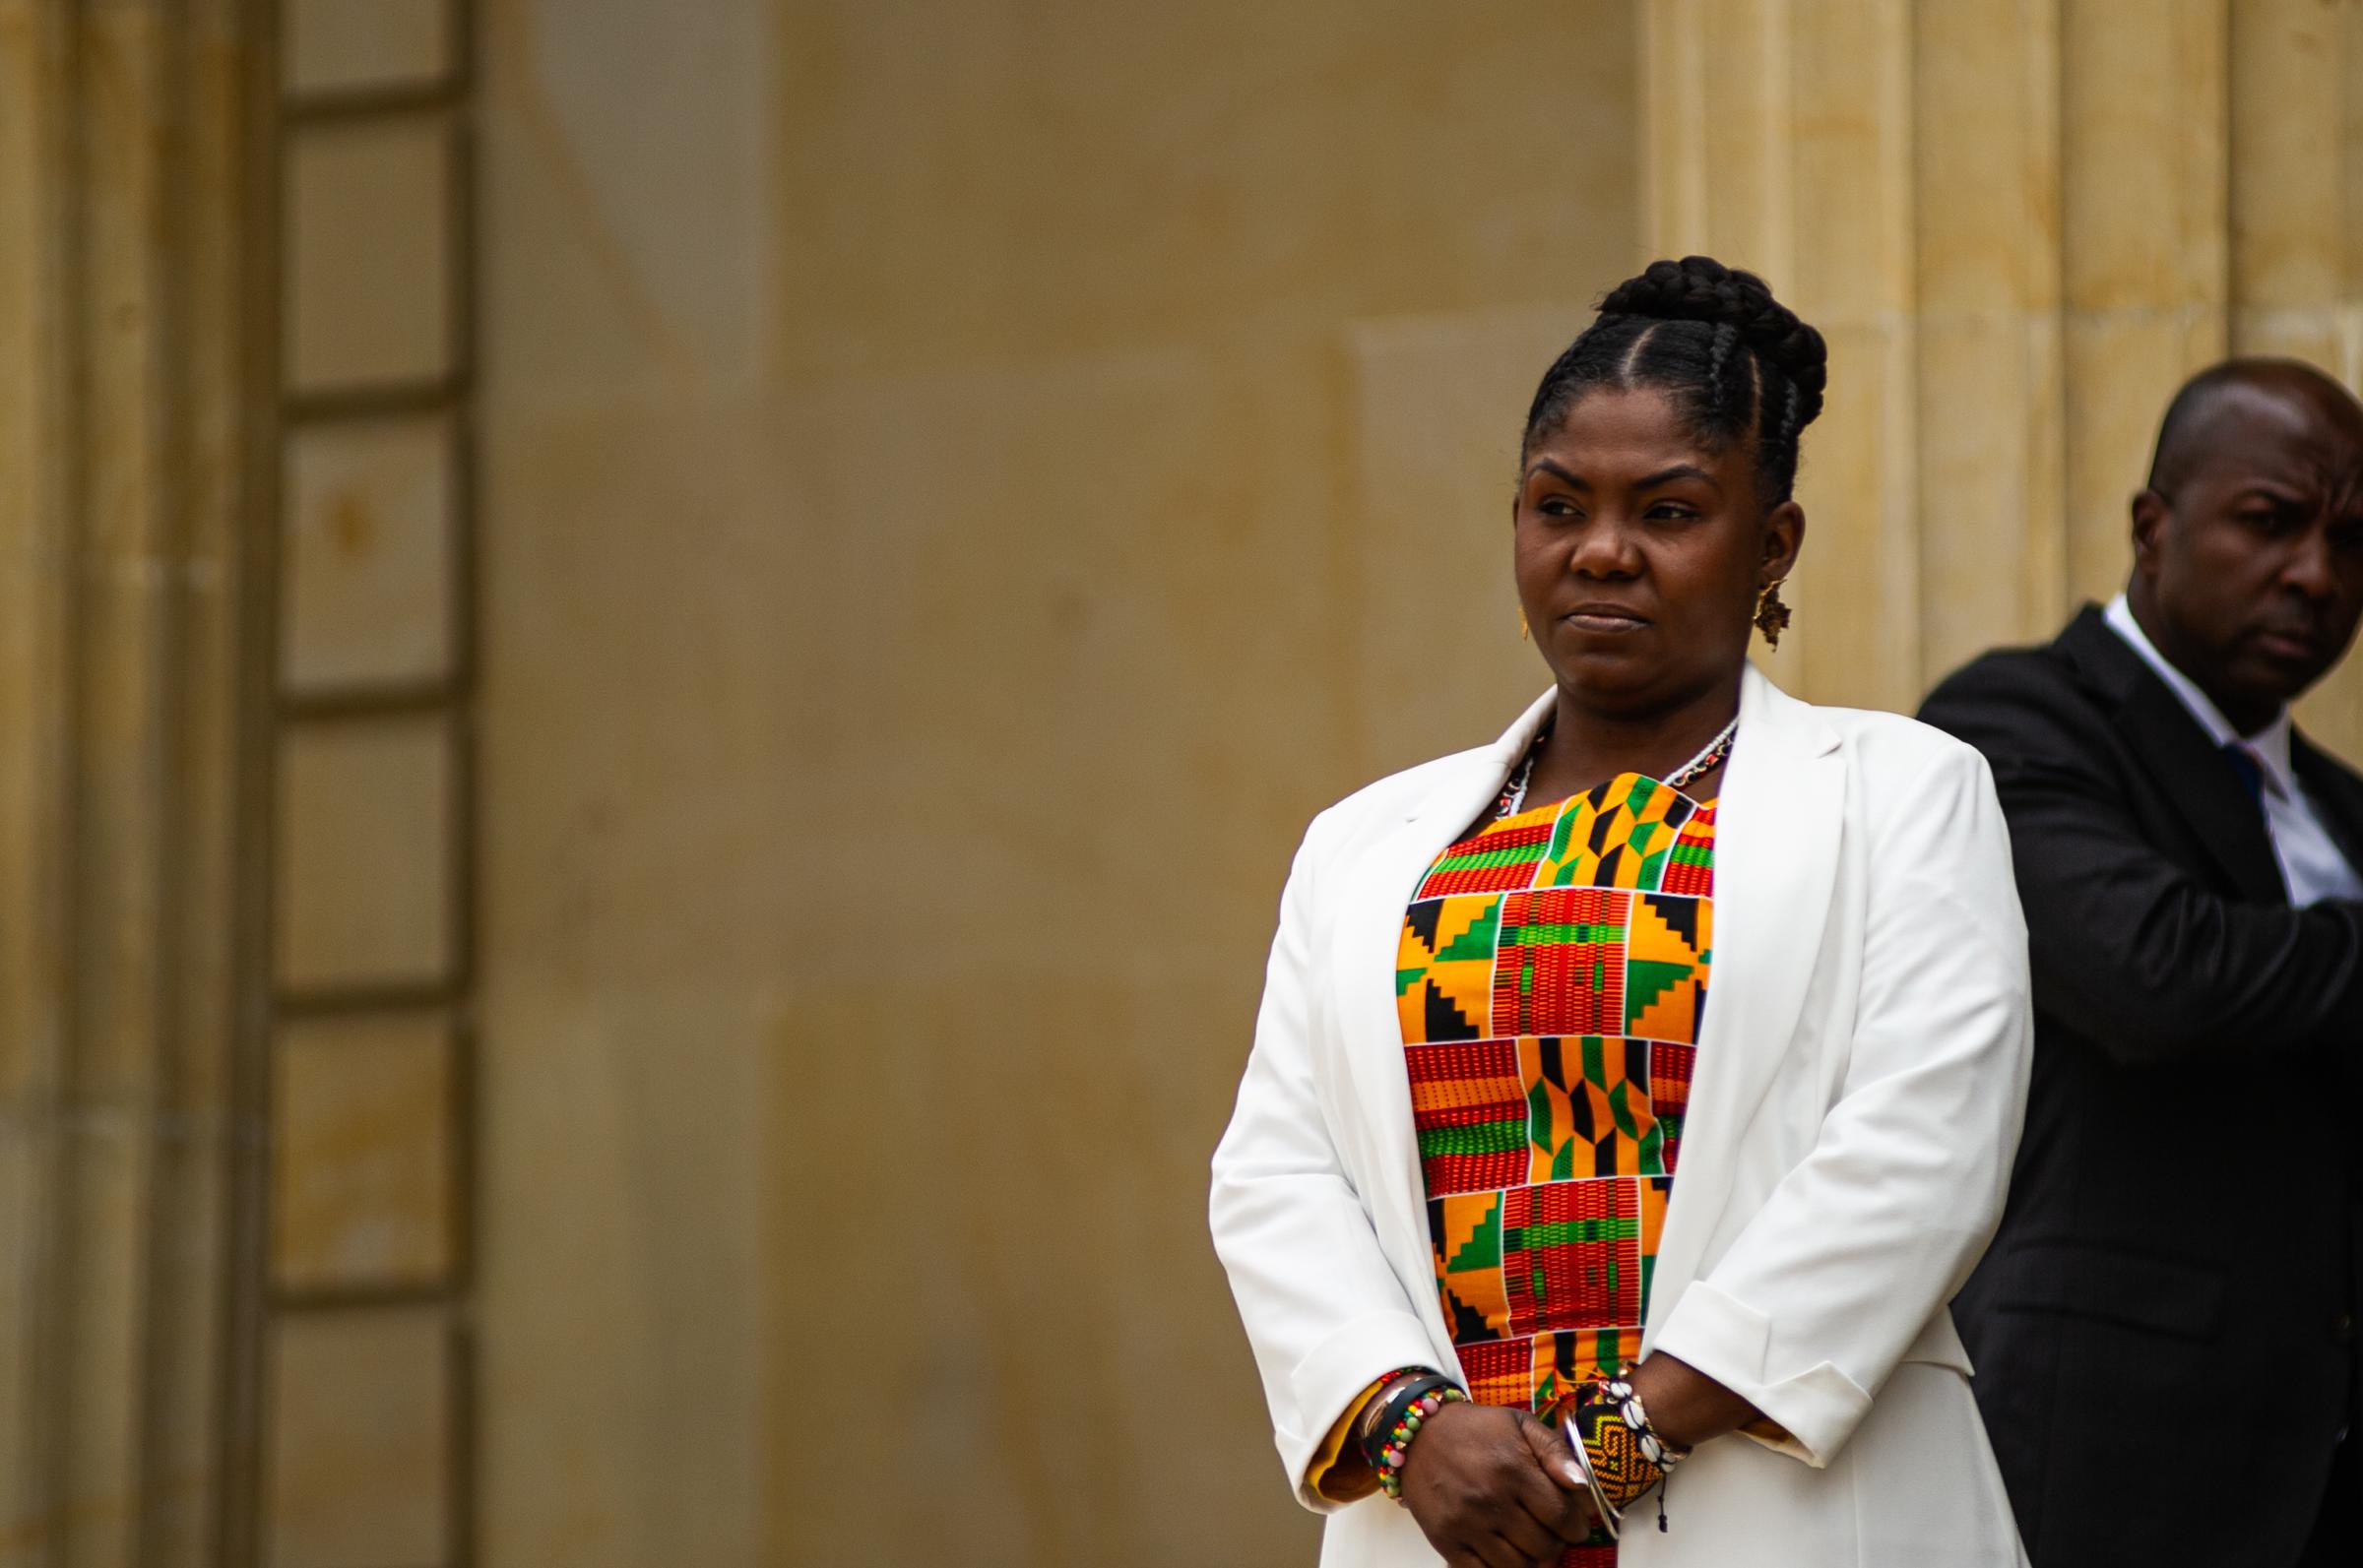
[1324, 1314]
[1867, 1237]
[2131, 950]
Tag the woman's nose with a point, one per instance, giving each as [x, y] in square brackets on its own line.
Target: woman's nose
[1606, 549]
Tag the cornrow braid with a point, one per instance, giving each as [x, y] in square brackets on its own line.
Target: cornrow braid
[1677, 328]
[1730, 398]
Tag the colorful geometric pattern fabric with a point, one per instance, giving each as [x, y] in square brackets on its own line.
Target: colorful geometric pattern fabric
[1619, 836]
[1625, 1455]
[1559, 957]
[1551, 982]
[1445, 969]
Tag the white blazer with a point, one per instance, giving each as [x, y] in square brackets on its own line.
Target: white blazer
[1859, 1087]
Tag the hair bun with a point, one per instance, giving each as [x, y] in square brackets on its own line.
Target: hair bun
[1701, 288]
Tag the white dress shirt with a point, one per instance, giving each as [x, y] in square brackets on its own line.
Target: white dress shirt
[2311, 866]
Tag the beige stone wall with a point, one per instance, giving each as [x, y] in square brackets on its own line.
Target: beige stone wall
[658, 665]
[965, 483]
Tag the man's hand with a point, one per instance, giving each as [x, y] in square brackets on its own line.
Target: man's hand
[1496, 1489]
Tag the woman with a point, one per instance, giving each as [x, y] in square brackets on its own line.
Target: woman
[1502, 1254]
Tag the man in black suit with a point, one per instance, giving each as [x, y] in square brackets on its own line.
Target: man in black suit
[2164, 1327]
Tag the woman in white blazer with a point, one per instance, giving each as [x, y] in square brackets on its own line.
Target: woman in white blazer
[1495, 1139]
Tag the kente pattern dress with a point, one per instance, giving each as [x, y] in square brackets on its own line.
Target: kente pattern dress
[1550, 980]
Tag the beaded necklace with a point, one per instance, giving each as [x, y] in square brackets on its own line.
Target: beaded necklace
[1709, 758]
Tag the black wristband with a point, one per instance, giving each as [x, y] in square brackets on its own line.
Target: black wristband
[1388, 1407]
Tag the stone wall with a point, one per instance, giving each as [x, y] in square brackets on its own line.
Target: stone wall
[964, 484]
[658, 665]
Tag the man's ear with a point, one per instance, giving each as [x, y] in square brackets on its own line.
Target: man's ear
[2152, 518]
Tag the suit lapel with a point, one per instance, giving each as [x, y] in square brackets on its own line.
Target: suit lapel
[1778, 827]
[2180, 759]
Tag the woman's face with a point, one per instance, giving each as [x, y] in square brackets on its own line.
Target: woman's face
[1640, 554]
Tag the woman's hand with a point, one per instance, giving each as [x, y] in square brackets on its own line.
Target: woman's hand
[1685, 1405]
[1495, 1487]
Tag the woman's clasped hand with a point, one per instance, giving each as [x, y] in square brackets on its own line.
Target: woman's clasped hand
[1496, 1486]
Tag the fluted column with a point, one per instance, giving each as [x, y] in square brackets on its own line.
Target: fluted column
[2008, 217]
[2296, 177]
[2142, 242]
[124, 366]
[1778, 138]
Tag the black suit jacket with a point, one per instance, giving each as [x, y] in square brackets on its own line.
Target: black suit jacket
[2164, 1326]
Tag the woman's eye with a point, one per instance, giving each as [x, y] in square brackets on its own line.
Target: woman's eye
[1673, 512]
[1556, 506]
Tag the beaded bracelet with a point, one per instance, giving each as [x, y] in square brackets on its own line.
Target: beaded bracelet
[1370, 1427]
[1419, 1407]
[1387, 1407]
[1622, 1452]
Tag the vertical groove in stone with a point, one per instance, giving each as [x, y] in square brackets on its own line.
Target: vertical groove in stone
[68, 305]
[185, 1250]
[35, 769]
[251, 353]
[126, 709]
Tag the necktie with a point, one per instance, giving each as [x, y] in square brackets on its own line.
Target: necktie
[2252, 771]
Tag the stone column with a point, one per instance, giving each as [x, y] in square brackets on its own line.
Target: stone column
[125, 362]
[1777, 137]
[2143, 244]
[2296, 175]
[2008, 215]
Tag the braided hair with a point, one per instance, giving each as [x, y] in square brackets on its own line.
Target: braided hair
[1734, 360]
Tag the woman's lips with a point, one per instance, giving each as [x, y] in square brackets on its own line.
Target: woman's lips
[1604, 620]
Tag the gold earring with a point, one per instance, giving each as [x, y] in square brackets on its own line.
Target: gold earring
[1772, 616]
[1523, 632]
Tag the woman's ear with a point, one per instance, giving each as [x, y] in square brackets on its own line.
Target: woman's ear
[1784, 537]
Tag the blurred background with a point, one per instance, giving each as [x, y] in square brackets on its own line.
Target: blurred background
[659, 662]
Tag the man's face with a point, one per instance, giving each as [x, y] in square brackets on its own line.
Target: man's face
[2253, 566]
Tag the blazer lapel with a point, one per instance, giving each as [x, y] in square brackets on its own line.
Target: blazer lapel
[2182, 762]
[1369, 936]
[1778, 827]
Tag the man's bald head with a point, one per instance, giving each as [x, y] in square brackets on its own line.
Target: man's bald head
[2194, 427]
